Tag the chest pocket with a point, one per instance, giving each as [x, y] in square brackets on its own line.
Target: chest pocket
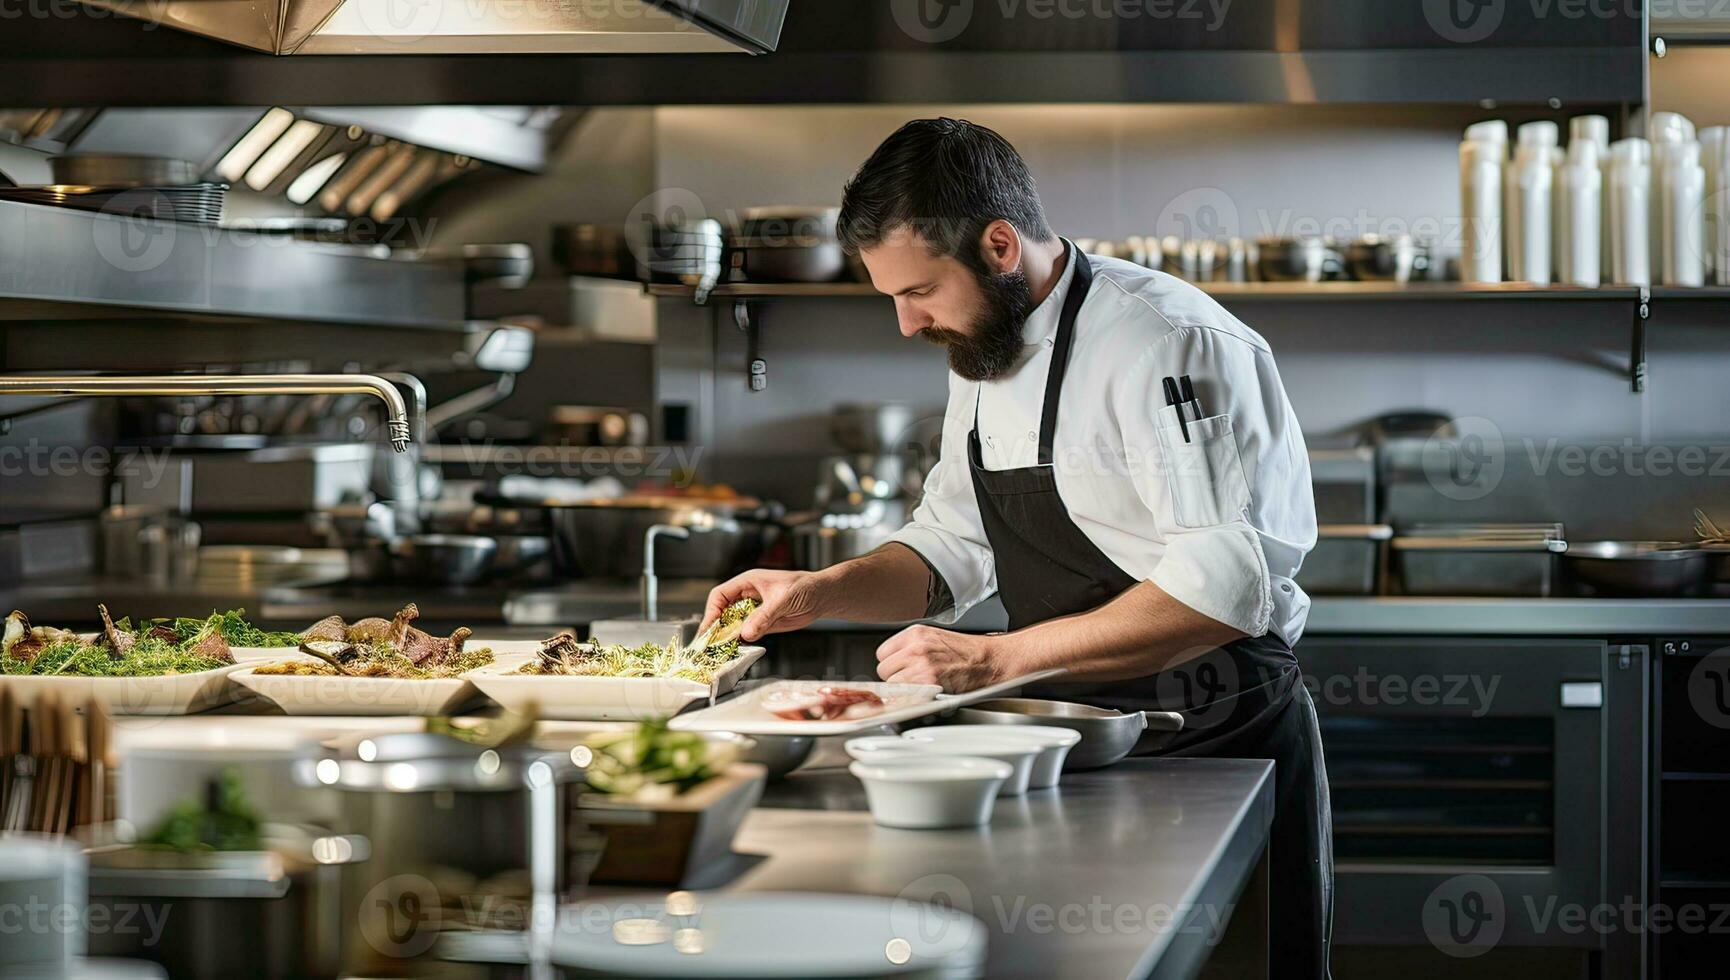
[1205, 474]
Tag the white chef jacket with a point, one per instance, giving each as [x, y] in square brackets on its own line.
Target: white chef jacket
[1221, 523]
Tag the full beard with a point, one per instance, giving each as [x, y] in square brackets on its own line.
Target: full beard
[991, 347]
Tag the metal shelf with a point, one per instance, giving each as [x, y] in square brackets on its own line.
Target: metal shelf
[60, 262]
[1282, 291]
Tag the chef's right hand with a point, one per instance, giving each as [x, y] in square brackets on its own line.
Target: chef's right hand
[788, 601]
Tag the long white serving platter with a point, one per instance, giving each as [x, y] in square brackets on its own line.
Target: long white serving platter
[746, 715]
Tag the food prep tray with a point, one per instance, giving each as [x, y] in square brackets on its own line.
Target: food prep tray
[746, 715]
[1345, 560]
[1509, 560]
[602, 698]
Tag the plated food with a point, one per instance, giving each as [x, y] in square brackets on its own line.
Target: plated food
[566, 656]
[152, 667]
[151, 648]
[376, 647]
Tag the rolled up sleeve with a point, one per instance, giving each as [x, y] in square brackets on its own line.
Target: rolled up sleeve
[1233, 507]
[946, 529]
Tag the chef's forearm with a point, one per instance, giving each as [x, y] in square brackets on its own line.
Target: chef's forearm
[1141, 632]
[889, 585]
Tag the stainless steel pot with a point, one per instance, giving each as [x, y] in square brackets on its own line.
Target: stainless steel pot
[1302, 259]
[1637, 568]
[1106, 735]
[604, 538]
[875, 429]
[1387, 258]
[443, 559]
[460, 835]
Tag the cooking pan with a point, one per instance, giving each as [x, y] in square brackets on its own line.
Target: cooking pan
[1637, 568]
[1106, 735]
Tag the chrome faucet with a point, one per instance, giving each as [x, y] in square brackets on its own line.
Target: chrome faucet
[98, 386]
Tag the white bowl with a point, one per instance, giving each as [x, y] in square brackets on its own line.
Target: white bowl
[1019, 755]
[925, 791]
[1054, 744]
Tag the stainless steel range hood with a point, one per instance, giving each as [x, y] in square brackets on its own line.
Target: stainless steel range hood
[372, 27]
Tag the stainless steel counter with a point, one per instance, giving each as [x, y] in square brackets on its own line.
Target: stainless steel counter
[1127, 872]
[578, 603]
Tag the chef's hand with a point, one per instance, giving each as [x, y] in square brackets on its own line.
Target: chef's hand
[789, 601]
[926, 655]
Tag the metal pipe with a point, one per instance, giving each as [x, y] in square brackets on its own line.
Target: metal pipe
[651, 581]
[97, 386]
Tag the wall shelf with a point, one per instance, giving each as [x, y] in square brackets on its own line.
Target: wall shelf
[746, 296]
[1280, 291]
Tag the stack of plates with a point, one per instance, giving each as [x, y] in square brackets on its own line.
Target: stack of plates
[193, 203]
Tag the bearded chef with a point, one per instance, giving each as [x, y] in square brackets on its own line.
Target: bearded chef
[1146, 548]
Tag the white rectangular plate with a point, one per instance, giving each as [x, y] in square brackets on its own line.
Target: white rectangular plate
[602, 698]
[167, 694]
[325, 694]
[745, 714]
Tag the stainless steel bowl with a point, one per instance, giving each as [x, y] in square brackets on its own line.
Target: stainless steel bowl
[1637, 568]
[1106, 735]
[780, 754]
[443, 559]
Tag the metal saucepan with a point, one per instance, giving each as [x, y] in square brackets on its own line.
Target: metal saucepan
[1106, 735]
[1636, 568]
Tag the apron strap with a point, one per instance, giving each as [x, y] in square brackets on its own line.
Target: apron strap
[1079, 284]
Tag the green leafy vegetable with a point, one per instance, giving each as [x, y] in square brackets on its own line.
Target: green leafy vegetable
[223, 821]
[652, 762]
[233, 627]
[76, 658]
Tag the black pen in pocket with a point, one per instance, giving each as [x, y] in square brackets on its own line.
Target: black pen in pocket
[1173, 400]
[1187, 390]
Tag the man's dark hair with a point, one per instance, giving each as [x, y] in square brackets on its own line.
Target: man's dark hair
[947, 180]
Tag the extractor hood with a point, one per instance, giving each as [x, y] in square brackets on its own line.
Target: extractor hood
[421, 27]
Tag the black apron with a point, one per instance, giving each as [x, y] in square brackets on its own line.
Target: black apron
[1243, 700]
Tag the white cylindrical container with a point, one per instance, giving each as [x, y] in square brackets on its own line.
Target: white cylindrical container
[1528, 202]
[1667, 129]
[1630, 212]
[1488, 131]
[1596, 130]
[1481, 166]
[1683, 218]
[1715, 162]
[1580, 213]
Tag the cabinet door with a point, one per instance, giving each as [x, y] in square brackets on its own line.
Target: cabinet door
[1463, 764]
